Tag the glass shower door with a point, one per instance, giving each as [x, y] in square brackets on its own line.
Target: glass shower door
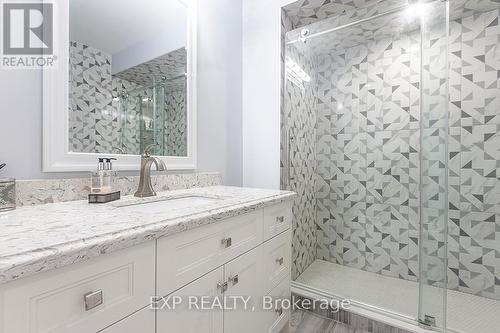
[159, 118]
[364, 144]
[141, 120]
[433, 163]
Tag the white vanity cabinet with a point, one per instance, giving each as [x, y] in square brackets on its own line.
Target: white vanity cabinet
[81, 298]
[245, 255]
[143, 321]
[244, 276]
[182, 319]
[186, 256]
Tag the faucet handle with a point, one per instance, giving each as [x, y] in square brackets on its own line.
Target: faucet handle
[147, 150]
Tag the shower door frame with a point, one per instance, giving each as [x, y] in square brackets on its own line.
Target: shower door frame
[440, 225]
[286, 179]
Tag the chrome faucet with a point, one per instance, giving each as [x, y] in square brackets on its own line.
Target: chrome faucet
[145, 187]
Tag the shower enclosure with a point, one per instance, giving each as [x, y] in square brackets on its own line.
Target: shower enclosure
[154, 115]
[389, 137]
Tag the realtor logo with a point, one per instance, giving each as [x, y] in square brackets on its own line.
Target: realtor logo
[28, 28]
[27, 35]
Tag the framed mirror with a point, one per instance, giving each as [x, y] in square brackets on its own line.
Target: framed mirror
[125, 80]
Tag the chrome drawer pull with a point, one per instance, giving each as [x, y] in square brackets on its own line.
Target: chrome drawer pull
[222, 286]
[280, 219]
[92, 300]
[234, 279]
[227, 242]
[279, 261]
[279, 311]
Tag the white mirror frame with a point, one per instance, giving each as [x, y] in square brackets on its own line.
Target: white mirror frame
[56, 154]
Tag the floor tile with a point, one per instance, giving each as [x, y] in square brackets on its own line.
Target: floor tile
[307, 322]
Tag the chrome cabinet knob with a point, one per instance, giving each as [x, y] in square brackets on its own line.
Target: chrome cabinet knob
[227, 242]
[280, 261]
[280, 219]
[222, 286]
[234, 279]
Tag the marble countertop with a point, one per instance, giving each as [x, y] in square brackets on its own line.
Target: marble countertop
[35, 239]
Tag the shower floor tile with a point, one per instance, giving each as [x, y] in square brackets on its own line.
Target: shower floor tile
[466, 313]
[391, 294]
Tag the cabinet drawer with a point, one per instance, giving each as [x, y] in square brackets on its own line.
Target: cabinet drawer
[276, 319]
[277, 219]
[185, 257]
[55, 301]
[276, 257]
[142, 321]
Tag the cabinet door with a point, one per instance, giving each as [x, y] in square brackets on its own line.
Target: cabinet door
[184, 257]
[277, 319]
[244, 276]
[142, 321]
[182, 318]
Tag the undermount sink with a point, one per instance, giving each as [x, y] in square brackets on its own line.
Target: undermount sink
[160, 204]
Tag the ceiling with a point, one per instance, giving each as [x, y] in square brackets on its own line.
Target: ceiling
[115, 25]
[172, 66]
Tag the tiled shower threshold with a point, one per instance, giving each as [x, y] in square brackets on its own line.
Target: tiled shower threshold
[395, 301]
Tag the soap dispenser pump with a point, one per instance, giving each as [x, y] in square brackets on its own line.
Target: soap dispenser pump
[102, 178]
[101, 189]
[108, 174]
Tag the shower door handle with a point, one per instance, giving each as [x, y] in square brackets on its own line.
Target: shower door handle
[288, 162]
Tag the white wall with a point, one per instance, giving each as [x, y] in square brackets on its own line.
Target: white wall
[219, 102]
[21, 123]
[261, 92]
[115, 25]
[219, 95]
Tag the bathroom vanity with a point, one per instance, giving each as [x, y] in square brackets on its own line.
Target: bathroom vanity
[75, 267]
[130, 95]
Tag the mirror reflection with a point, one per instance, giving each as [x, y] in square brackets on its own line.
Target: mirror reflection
[128, 77]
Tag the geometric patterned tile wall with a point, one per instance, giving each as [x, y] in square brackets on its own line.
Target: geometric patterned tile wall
[368, 157]
[92, 117]
[305, 12]
[368, 198]
[299, 120]
[433, 167]
[96, 123]
[101, 120]
[128, 110]
[175, 123]
[474, 148]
